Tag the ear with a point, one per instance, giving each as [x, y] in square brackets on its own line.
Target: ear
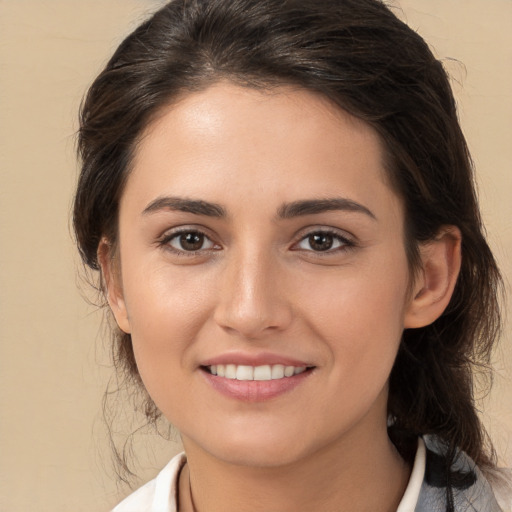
[112, 285]
[435, 281]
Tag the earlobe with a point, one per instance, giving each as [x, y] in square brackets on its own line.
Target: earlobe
[435, 281]
[112, 286]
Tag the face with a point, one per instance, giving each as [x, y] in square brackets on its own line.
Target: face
[263, 275]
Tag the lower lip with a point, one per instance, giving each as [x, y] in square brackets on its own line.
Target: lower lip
[255, 390]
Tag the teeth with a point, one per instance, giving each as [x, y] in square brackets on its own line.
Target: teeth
[244, 373]
[288, 371]
[230, 371]
[277, 371]
[264, 372]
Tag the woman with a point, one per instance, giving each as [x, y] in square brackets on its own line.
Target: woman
[280, 202]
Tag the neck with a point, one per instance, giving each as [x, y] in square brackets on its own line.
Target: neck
[356, 474]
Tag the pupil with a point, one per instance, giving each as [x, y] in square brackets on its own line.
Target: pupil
[321, 242]
[192, 241]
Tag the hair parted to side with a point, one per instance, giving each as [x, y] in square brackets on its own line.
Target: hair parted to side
[364, 59]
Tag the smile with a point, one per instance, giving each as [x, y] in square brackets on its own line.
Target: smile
[261, 373]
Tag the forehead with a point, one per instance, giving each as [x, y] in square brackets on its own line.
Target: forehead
[287, 141]
[228, 105]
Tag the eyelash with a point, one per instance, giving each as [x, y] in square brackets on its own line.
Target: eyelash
[344, 242]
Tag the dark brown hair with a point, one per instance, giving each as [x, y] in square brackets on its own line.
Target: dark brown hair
[364, 59]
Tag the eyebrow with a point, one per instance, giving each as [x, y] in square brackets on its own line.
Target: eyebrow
[185, 205]
[313, 206]
[285, 211]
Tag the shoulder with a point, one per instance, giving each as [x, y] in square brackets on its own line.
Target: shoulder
[501, 482]
[461, 484]
[158, 495]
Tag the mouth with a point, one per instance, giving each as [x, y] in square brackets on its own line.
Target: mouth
[265, 372]
[255, 377]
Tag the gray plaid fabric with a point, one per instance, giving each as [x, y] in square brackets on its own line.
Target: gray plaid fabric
[471, 492]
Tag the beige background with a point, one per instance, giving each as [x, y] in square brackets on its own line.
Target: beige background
[53, 452]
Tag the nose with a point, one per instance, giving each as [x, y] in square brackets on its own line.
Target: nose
[253, 297]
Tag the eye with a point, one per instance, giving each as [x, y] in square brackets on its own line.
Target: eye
[189, 241]
[323, 241]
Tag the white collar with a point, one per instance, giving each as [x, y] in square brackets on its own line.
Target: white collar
[412, 493]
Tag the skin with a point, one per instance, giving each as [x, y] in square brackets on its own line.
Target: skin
[258, 286]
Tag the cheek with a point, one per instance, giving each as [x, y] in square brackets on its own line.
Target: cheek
[166, 310]
[360, 316]
[158, 295]
[361, 327]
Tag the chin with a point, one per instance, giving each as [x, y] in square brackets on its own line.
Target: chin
[260, 448]
[268, 456]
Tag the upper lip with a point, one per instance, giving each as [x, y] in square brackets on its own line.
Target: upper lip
[260, 359]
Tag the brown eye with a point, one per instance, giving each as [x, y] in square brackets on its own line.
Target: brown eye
[323, 241]
[320, 241]
[190, 241]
